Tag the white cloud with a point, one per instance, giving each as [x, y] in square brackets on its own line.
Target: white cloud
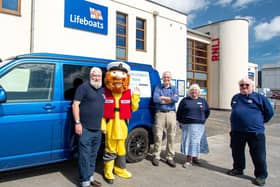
[243, 3]
[185, 6]
[266, 54]
[191, 18]
[223, 2]
[235, 3]
[266, 31]
[249, 18]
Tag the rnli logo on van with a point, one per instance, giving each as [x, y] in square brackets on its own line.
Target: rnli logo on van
[85, 15]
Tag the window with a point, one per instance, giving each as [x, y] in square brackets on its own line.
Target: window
[29, 82]
[74, 76]
[197, 66]
[190, 43]
[140, 34]
[10, 6]
[121, 36]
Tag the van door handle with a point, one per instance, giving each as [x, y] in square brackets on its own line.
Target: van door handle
[48, 107]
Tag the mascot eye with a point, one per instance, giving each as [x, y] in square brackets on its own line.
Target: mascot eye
[113, 73]
[123, 75]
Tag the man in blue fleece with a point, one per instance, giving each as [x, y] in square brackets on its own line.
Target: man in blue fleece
[250, 111]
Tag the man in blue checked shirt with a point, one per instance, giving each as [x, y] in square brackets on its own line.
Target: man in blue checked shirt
[165, 96]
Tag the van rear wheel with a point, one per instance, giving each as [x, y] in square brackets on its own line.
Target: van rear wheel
[137, 145]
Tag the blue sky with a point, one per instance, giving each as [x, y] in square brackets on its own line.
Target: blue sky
[263, 16]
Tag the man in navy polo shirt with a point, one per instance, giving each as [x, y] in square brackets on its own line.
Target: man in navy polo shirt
[88, 108]
[250, 110]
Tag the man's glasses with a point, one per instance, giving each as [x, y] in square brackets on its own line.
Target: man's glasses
[242, 85]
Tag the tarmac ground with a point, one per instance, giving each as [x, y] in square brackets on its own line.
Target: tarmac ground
[210, 173]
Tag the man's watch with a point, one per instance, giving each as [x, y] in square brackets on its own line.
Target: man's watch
[77, 122]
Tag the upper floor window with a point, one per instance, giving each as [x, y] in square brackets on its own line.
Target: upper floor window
[140, 34]
[10, 6]
[121, 36]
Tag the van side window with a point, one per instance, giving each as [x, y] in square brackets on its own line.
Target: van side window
[29, 82]
[73, 76]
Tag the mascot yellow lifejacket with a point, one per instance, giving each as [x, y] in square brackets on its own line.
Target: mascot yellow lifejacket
[119, 104]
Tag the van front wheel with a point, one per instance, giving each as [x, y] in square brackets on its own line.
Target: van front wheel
[137, 145]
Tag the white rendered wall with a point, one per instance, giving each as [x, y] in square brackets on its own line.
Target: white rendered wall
[15, 32]
[171, 48]
[233, 63]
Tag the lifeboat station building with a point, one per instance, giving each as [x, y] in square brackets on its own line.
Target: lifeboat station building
[215, 55]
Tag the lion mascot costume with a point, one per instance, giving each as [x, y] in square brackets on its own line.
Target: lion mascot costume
[119, 104]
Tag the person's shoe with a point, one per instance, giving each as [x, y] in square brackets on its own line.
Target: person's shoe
[95, 183]
[109, 181]
[259, 181]
[196, 161]
[171, 163]
[187, 165]
[108, 172]
[155, 161]
[235, 172]
[122, 172]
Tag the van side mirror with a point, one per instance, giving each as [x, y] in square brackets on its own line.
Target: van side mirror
[3, 95]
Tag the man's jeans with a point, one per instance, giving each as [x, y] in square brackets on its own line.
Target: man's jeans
[256, 143]
[89, 143]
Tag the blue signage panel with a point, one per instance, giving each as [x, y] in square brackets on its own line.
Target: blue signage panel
[84, 15]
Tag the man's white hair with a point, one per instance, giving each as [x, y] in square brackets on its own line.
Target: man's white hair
[95, 69]
[167, 72]
[248, 80]
[194, 86]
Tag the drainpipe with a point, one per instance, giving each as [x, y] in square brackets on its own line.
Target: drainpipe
[31, 49]
[155, 14]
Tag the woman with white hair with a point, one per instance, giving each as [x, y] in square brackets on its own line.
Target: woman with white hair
[192, 114]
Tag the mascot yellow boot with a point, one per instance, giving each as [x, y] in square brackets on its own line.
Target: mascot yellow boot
[119, 104]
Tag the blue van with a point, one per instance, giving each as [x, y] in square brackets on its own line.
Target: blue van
[36, 123]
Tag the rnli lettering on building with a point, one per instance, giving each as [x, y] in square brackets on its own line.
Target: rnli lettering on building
[85, 15]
